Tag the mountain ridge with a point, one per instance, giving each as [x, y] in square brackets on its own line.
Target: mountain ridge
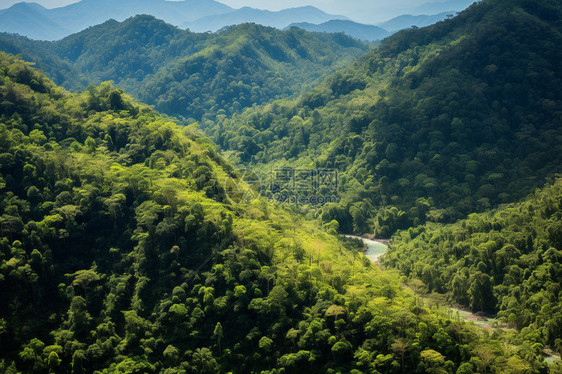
[31, 19]
[178, 65]
[406, 21]
[279, 19]
[57, 23]
[78, 16]
[424, 122]
[357, 30]
[199, 16]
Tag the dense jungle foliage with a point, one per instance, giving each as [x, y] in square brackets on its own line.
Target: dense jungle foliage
[188, 74]
[122, 252]
[433, 125]
[128, 244]
[507, 262]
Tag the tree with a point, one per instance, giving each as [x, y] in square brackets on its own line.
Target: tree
[516, 365]
[341, 350]
[32, 353]
[53, 362]
[400, 347]
[481, 293]
[218, 335]
[171, 354]
[460, 288]
[204, 362]
[78, 361]
[79, 318]
[432, 362]
[266, 344]
[486, 356]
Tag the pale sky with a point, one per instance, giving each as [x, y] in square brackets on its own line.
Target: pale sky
[46, 3]
[358, 10]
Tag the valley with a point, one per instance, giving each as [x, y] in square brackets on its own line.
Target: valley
[257, 200]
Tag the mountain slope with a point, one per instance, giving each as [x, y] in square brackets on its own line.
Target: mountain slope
[44, 57]
[123, 251]
[354, 29]
[246, 65]
[433, 125]
[279, 19]
[507, 261]
[188, 74]
[134, 48]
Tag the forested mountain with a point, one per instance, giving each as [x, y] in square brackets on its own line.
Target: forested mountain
[357, 30]
[44, 57]
[190, 74]
[123, 251]
[507, 261]
[434, 124]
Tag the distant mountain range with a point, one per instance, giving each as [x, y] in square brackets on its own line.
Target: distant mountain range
[371, 32]
[407, 21]
[32, 20]
[354, 29]
[373, 13]
[36, 22]
[280, 19]
[39, 23]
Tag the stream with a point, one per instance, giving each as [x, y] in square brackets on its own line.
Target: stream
[376, 249]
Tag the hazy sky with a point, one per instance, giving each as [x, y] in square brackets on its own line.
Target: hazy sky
[334, 6]
[359, 10]
[46, 3]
